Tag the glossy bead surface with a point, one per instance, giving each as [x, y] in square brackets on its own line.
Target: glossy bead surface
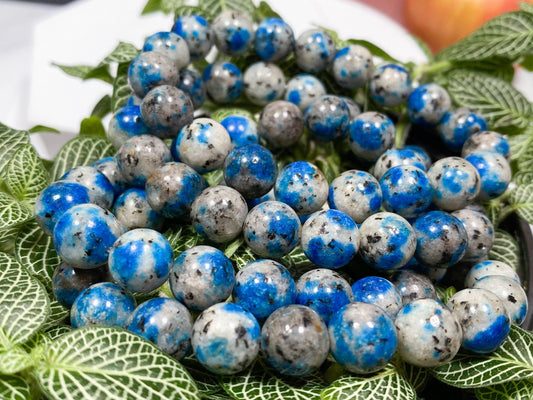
[125, 123]
[378, 291]
[413, 286]
[395, 158]
[274, 39]
[352, 66]
[263, 83]
[68, 282]
[327, 118]
[133, 210]
[192, 84]
[494, 172]
[390, 85]
[101, 192]
[242, 130]
[280, 124]
[314, 50]
[151, 69]
[234, 32]
[171, 45]
[197, 34]
[223, 82]
[427, 104]
[487, 141]
[480, 233]
[303, 89]
[459, 125]
[370, 135]
[109, 167]
[489, 267]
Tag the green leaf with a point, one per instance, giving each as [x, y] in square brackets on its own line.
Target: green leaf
[527, 7]
[511, 362]
[242, 256]
[496, 67]
[11, 140]
[505, 249]
[100, 72]
[525, 162]
[206, 382]
[110, 364]
[23, 302]
[375, 50]
[182, 238]
[297, 262]
[527, 62]
[12, 212]
[523, 177]
[14, 360]
[58, 331]
[86, 72]
[42, 128]
[8, 236]
[213, 178]
[186, 10]
[102, 108]
[224, 112]
[121, 88]
[14, 388]
[519, 390]
[444, 294]
[387, 384]
[123, 53]
[151, 6]
[521, 200]
[264, 11]
[416, 376]
[499, 102]
[58, 313]
[232, 247]
[82, 150]
[215, 7]
[92, 126]
[520, 146]
[170, 6]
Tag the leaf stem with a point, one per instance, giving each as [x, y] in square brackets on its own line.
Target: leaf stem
[402, 131]
[430, 68]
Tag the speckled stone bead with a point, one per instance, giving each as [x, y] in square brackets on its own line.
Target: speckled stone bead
[202, 276]
[57, 198]
[151, 69]
[133, 100]
[427, 104]
[494, 172]
[101, 192]
[370, 135]
[330, 239]
[435, 274]
[324, 291]
[352, 66]
[314, 50]
[378, 291]
[480, 233]
[428, 333]
[171, 45]
[226, 338]
[280, 124]
[456, 183]
[295, 340]
[356, 193]
[458, 125]
[165, 322]
[234, 32]
[407, 191]
[362, 337]
[353, 107]
[125, 123]
[421, 153]
[396, 157]
[413, 286]
[327, 118]
[192, 84]
[303, 89]
[487, 141]
[84, 234]
[104, 304]
[140, 260]
[133, 210]
[441, 239]
[263, 83]
[272, 229]
[390, 85]
[140, 156]
[171, 189]
[242, 130]
[165, 110]
[68, 282]
[197, 34]
[489, 267]
[274, 39]
[109, 167]
[387, 241]
[262, 287]
[510, 293]
[483, 318]
[223, 82]
[250, 169]
[258, 200]
[218, 213]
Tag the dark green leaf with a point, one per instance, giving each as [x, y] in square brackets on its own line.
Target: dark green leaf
[374, 49]
[92, 126]
[520, 146]
[520, 390]
[121, 88]
[86, 72]
[11, 140]
[213, 178]
[100, 72]
[14, 388]
[242, 256]
[151, 6]
[42, 128]
[123, 53]
[527, 7]
[264, 11]
[505, 249]
[521, 200]
[496, 67]
[102, 108]
[191, 10]
[183, 238]
[527, 62]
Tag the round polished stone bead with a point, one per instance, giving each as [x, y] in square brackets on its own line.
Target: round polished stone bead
[458, 126]
[68, 282]
[274, 39]
[126, 122]
[192, 84]
[109, 167]
[151, 69]
[101, 191]
[352, 66]
[413, 286]
[234, 32]
[314, 50]
[427, 104]
[223, 82]
[480, 233]
[281, 124]
[171, 45]
[494, 172]
[487, 141]
[242, 130]
[397, 157]
[133, 210]
[378, 291]
[197, 34]
[370, 135]
[327, 118]
[303, 89]
[263, 83]
[489, 267]
[390, 85]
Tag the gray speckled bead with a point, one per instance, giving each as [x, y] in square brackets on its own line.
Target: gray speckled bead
[109, 167]
[151, 69]
[327, 118]
[353, 107]
[125, 123]
[314, 50]
[295, 340]
[487, 140]
[140, 156]
[303, 89]
[414, 286]
[494, 172]
[428, 333]
[458, 125]
[390, 85]
[489, 267]
[371, 134]
[427, 104]
[421, 153]
[263, 83]
[197, 33]
[480, 232]
[234, 32]
[274, 39]
[218, 213]
[101, 192]
[223, 82]
[171, 45]
[68, 282]
[380, 292]
[396, 157]
[281, 124]
[133, 210]
[353, 66]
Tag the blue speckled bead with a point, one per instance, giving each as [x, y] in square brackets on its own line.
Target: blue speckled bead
[171, 45]
[262, 287]
[302, 186]
[134, 100]
[489, 267]
[494, 172]
[223, 82]
[202, 276]
[295, 340]
[353, 107]
[356, 193]
[234, 32]
[104, 304]
[84, 234]
[378, 291]
[407, 191]
[314, 50]
[428, 333]
[197, 34]
[487, 140]
[327, 118]
[133, 210]
[250, 169]
[303, 89]
[241, 130]
[125, 123]
[427, 104]
[101, 192]
[387, 241]
[263, 83]
[458, 125]
[226, 338]
[272, 229]
[441, 239]
[258, 200]
[192, 84]
[483, 317]
[68, 282]
[274, 39]
[371, 134]
[165, 322]
[57, 198]
[362, 337]
[151, 69]
[109, 167]
[480, 233]
[330, 239]
[390, 85]
[280, 124]
[413, 286]
[140, 260]
[324, 291]
[352, 66]
[396, 157]
[421, 153]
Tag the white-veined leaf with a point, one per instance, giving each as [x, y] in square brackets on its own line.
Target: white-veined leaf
[526, 7]
[121, 88]
[14, 388]
[107, 363]
[297, 262]
[521, 200]
[11, 140]
[242, 256]
[505, 249]
[224, 112]
[123, 53]
[525, 162]
[8, 236]
[58, 330]
[206, 381]
[12, 212]
[58, 313]
[523, 177]
[514, 390]
[183, 238]
[215, 7]
[520, 144]
[14, 360]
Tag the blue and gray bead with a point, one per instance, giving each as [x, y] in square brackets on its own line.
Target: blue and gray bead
[314, 50]
[68, 282]
[427, 104]
[109, 167]
[413, 286]
[459, 125]
[197, 34]
[390, 85]
[274, 39]
[480, 233]
[151, 69]
[223, 82]
[490, 267]
[421, 153]
[396, 157]
[192, 84]
[101, 192]
[263, 83]
[125, 123]
[494, 172]
[303, 89]
[234, 32]
[132, 209]
[327, 118]
[242, 130]
[378, 291]
[352, 66]
[370, 135]
[281, 124]
[487, 141]
[171, 45]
